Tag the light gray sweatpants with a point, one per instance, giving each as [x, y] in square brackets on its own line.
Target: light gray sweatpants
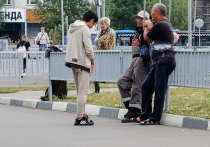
[81, 79]
[130, 83]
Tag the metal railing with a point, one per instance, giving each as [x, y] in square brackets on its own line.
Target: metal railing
[34, 47]
[192, 69]
[11, 64]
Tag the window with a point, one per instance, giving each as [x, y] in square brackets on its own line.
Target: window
[6, 2]
[33, 2]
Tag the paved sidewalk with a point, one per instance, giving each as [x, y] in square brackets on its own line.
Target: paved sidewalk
[35, 95]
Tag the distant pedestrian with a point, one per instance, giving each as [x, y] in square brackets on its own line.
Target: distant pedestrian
[163, 60]
[80, 57]
[105, 40]
[24, 45]
[42, 39]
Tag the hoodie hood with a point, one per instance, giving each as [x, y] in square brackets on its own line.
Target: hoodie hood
[76, 25]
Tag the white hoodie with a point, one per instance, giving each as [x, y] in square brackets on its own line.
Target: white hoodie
[79, 45]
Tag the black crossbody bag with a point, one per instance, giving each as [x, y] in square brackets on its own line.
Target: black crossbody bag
[38, 42]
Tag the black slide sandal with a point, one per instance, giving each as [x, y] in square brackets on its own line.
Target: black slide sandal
[150, 122]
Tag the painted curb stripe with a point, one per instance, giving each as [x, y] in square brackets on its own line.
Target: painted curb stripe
[71, 107]
[172, 120]
[208, 126]
[59, 106]
[5, 101]
[109, 112]
[30, 103]
[195, 123]
[44, 105]
[16, 102]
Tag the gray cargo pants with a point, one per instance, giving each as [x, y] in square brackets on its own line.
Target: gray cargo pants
[130, 83]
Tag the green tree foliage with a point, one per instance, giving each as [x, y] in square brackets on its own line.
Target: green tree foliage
[122, 13]
[179, 12]
[49, 12]
[2, 15]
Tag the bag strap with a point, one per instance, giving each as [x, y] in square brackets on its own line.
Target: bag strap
[23, 43]
[42, 35]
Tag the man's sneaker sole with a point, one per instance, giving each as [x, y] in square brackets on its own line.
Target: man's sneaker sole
[84, 122]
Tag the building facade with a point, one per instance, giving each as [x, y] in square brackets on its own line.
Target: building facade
[19, 20]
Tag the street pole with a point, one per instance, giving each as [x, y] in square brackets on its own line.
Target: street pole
[67, 25]
[98, 14]
[199, 36]
[62, 22]
[169, 10]
[159, 1]
[195, 7]
[189, 25]
[144, 12]
[103, 8]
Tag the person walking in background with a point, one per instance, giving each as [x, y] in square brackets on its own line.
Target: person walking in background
[130, 83]
[105, 40]
[42, 39]
[163, 61]
[80, 57]
[24, 44]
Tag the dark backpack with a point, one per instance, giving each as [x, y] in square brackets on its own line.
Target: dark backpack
[59, 89]
[51, 48]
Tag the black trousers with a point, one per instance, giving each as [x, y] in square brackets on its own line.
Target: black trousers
[156, 81]
[24, 64]
[97, 86]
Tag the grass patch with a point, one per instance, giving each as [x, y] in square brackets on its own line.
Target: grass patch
[104, 85]
[71, 99]
[193, 102]
[4, 90]
[106, 99]
[18, 89]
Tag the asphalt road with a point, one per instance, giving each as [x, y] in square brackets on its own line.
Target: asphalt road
[24, 127]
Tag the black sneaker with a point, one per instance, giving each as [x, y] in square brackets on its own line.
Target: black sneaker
[88, 119]
[83, 122]
[127, 115]
[132, 113]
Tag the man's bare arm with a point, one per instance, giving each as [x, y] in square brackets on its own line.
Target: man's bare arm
[148, 26]
[176, 37]
[146, 38]
[92, 65]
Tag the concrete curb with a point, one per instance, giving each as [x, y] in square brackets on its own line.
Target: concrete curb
[114, 113]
